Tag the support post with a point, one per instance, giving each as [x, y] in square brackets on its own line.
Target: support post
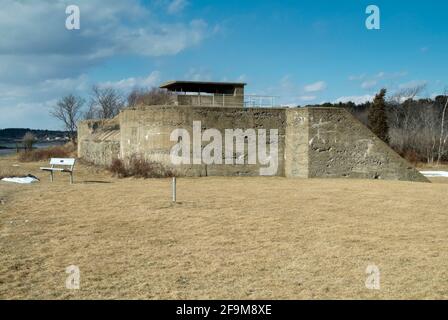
[173, 185]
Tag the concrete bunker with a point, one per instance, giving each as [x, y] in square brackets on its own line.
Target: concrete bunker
[311, 142]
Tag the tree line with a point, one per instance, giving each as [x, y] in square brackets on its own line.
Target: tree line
[13, 134]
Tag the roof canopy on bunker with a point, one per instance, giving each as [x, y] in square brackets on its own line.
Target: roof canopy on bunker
[202, 86]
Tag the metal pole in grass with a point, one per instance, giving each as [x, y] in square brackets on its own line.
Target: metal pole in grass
[173, 185]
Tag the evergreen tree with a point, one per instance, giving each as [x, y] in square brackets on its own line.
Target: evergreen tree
[378, 117]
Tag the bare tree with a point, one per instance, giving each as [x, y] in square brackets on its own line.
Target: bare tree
[442, 138]
[69, 110]
[105, 103]
[90, 113]
[425, 126]
[406, 94]
[153, 96]
[28, 140]
[398, 113]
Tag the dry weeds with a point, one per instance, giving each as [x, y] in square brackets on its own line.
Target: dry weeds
[64, 151]
[228, 238]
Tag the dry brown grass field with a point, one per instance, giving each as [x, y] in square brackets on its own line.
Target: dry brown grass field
[227, 238]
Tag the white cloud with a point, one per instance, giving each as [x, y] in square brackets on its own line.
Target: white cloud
[26, 114]
[176, 6]
[240, 78]
[118, 27]
[36, 45]
[40, 60]
[126, 85]
[27, 105]
[198, 74]
[413, 84]
[355, 99]
[356, 77]
[67, 84]
[369, 84]
[389, 75]
[315, 87]
[42, 90]
[307, 98]
[371, 81]
[163, 40]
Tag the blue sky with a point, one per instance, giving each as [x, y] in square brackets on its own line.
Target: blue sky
[305, 52]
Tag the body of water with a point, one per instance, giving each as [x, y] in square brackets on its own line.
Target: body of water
[38, 145]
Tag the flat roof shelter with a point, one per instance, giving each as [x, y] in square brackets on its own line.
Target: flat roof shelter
[200, 93]
[220, 88]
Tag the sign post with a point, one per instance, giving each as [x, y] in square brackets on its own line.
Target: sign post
[173, 184]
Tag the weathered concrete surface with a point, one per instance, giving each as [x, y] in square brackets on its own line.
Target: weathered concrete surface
[146, 131]
[340, 146]
[99, 140]
[313, 142]
[296, 143]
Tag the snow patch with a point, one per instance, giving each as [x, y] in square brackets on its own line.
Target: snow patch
[21, 180]
[438, 174]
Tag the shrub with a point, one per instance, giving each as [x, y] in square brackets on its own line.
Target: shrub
[377, 117]
[412, 156]
[138, 167]
[117, 168]
[28, 141]
[153, 96]
[65, 151]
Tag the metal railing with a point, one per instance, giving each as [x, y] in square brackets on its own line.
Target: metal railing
[256, 101]
[230, 100]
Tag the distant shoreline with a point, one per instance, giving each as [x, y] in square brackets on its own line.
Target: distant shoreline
[9, 148]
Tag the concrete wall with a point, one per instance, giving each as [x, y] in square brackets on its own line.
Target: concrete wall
[99, 140]
[296, 143]
[341, 146]
[146, 131]
[313, 142]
